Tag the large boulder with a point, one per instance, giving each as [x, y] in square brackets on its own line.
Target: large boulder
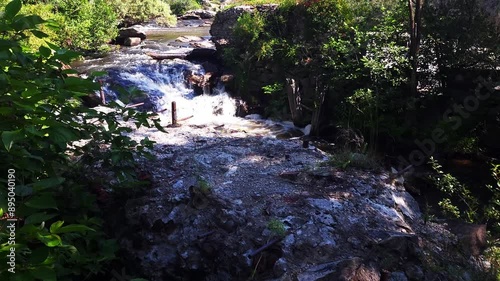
[132, 41]
[224, 22]
[133, 31]
[198, 14]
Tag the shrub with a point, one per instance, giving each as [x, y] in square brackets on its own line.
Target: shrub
[92, 25]
[345, 159]
[43, 126]
[134, 12]
[179, 7]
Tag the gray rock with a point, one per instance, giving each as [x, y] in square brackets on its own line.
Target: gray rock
[398, 276]
[132, 41]
[133, 31]
[201, 14]
[414, 272]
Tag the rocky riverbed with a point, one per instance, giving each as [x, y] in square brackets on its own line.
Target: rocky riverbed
[230, 201]
[234, 198]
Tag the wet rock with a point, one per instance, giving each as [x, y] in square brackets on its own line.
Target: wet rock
[133, 31]
[190, 17]
[201, 54]
[202, 45]
[356, 270]
[280, 267]
[132, 41]
[188, 38]
[397, 276]
[471, 237]
[327, 271]
[401, 245]
[210, 67]
[198, 14]
[414, 272]
[352, 269]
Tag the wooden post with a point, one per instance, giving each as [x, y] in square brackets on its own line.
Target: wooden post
[103, 97]
[174, 114]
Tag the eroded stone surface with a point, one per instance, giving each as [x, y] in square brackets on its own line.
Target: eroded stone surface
[216, 189]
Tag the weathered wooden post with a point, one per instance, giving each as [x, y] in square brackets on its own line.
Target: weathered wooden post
[174, 114]
[103, 97]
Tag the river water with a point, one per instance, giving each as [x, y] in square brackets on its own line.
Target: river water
[133, 77]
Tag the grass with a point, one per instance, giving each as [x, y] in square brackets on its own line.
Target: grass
[346, 159]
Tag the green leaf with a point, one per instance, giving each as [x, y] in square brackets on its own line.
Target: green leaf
[48, 183]
[159, 127]
[69, 71]
[39, 255]
[38, 218]
[44, 273]
[27, 22]
[44, 51]
[12, 9]
[55, 226]
[6, 110]
[62, 135]
[72, 228]
[51, 240]
[29, 229]
[9, 137]
[24, 190]
[44, 201]
[39, 34]
[22, 276]
[98, 73]
[1, 212]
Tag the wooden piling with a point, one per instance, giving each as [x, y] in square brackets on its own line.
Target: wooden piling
[103, 96]
[174, 114]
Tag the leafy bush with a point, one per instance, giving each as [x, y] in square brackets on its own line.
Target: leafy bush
[43, 128]
[180, 7]
[134, 12]
[51, 27]
[345, 159]
[277, 227]
[90, 25]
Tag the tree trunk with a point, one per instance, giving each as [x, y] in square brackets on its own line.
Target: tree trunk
[294, 99]
[415, 9]
[318, 104]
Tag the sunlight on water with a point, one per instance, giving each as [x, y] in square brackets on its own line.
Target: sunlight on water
[164, 82]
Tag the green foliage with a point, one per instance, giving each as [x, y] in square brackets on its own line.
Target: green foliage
[50, 28]
[353, 51]
[460, 193]
[43, 129]
[203, 185]
[459, 34]
[180, 7]
[90, 25]
[466, 145]
[277, 227]
[278, 106]
[345, 159]
[134, 12]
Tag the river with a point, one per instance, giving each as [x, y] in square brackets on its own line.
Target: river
[134, 77]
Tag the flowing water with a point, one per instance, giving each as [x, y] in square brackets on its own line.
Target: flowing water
[158, 83]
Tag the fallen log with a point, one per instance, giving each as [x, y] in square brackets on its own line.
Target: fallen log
[167, 56]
